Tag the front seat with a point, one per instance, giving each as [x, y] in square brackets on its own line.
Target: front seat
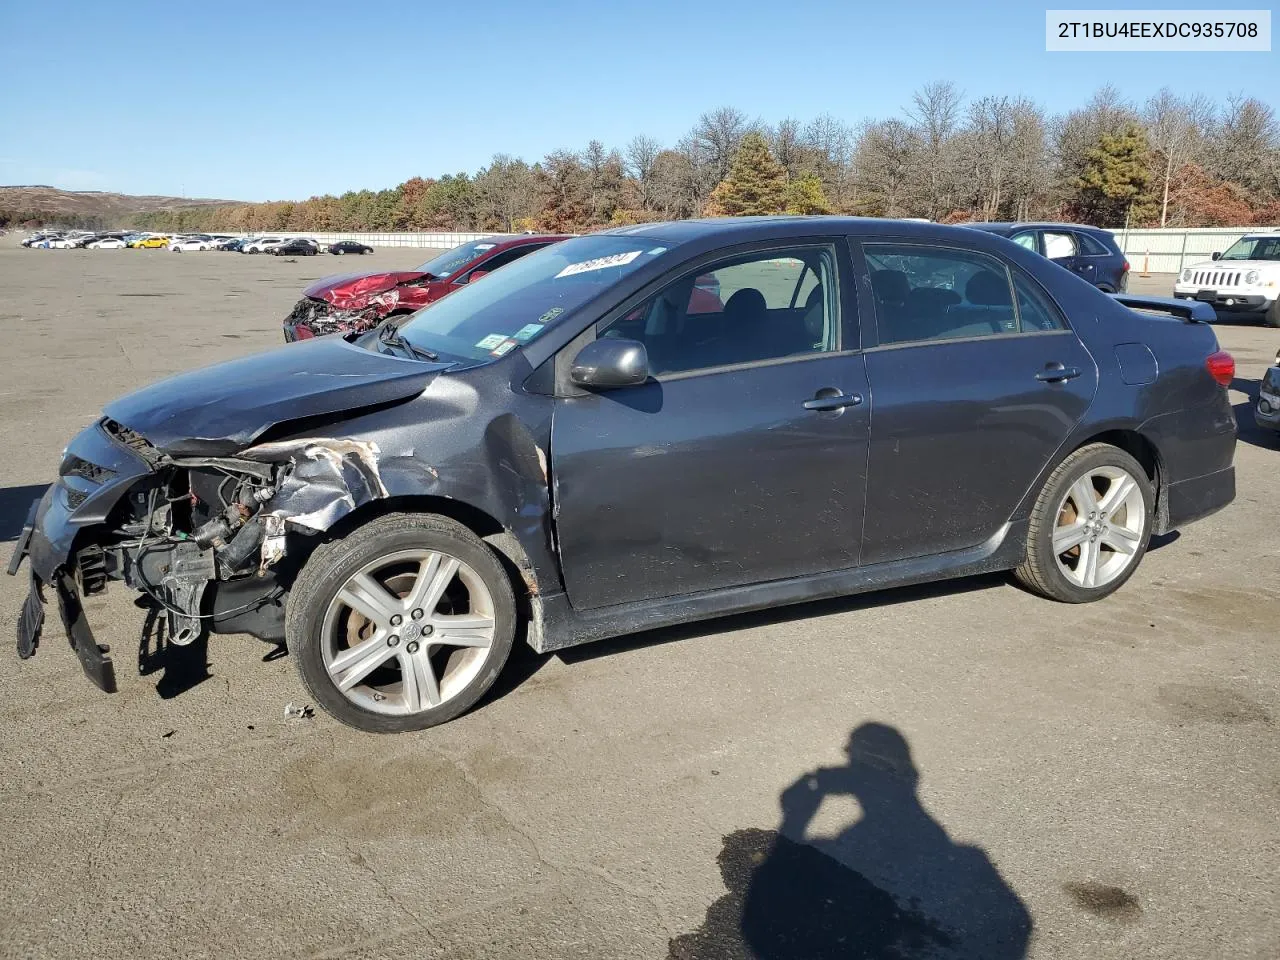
[745, 334]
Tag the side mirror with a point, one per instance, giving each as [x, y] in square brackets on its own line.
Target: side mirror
[608, 364]
[476, 275]
[1216, 254]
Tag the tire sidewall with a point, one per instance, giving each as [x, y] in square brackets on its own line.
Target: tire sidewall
[1083, 461]
[1272, 315]
[330, 567]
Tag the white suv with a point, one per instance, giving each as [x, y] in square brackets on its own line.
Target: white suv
[1245, 277]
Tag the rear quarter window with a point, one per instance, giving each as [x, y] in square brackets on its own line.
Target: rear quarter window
[1092, 247]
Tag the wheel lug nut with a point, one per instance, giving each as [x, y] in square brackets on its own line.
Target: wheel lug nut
[393, 640]
[412, 646]
[396, 620]
[417, 614]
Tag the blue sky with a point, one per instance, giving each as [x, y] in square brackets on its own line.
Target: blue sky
[282, 101]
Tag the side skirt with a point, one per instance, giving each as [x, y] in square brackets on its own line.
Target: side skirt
[562, 626]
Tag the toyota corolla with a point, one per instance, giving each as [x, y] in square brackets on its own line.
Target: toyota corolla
[590, 444]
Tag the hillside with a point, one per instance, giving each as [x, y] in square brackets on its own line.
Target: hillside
[46, 204]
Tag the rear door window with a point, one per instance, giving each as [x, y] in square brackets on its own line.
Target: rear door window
[1059, 245]
[925, 292]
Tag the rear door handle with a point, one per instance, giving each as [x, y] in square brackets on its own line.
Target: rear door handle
[836, 402]
[1056, 373]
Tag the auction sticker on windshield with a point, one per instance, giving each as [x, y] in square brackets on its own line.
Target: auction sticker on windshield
[599, 263]
[491, 341]
[528, 332]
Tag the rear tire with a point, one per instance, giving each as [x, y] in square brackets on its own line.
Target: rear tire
[408, 682]
[1090, 526]
[1272, 317]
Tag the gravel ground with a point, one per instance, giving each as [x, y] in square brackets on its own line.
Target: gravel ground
[963, 760]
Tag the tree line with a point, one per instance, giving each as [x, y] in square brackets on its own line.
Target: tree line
[1171, 161]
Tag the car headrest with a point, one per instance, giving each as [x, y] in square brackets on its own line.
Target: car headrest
[988, 289]
[815, 314]
[890, 286]
[745, 305]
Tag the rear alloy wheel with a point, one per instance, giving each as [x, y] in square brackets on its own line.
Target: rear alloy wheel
[402, 624]
[1090, 526]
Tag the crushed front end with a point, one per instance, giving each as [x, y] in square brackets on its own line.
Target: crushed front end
[316, 318]
[202, 539]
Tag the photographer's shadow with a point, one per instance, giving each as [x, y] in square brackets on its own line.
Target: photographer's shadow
[891, 885]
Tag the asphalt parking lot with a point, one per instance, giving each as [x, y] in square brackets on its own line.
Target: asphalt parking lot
[964, 760]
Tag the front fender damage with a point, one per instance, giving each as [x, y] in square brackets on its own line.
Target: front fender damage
[326, 479]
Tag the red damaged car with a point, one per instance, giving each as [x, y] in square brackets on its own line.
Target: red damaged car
[361, 301]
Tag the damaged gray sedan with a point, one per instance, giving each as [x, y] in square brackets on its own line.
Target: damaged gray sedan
[635, 429]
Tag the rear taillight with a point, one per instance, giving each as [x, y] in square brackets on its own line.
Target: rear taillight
[1222, 367]
[1125, 268]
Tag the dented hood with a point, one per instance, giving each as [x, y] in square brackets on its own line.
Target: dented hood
[345, 289]
[224, 408]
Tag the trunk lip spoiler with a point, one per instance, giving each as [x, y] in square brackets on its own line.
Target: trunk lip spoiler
[1192, 311]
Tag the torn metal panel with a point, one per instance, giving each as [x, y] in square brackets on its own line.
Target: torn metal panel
[327, 480]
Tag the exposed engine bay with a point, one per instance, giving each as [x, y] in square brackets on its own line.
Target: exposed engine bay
[201, 536]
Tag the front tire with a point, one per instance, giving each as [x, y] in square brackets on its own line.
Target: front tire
[402, 624]
[1272, 317]
[1090, 526]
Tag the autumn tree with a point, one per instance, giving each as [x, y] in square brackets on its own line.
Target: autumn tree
[756, 184]
[935, 117]
[884, 158]
[641, 159]
[1175, 131]
[506, 191]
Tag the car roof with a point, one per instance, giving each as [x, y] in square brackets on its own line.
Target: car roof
[1008, 226]
[521, 239]
[725, 230]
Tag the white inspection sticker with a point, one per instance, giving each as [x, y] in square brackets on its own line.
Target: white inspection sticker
[491, 341]
[599, 263]
[505, 347]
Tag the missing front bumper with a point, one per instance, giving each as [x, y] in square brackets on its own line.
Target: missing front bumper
[92, 655]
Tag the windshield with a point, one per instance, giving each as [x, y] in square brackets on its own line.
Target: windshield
[1254, 248]
[514, 305]
[458, 257]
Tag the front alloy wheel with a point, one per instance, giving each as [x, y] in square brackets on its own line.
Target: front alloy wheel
[408, 631]
[402, 624]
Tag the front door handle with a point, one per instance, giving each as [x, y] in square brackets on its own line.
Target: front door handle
[831, 399]
[1056, 373]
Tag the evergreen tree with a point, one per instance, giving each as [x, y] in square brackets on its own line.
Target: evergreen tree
[756, 184]
[805, 196]
[1116, 178]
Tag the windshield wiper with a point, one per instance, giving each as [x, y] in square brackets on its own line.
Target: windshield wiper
[390, 335]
